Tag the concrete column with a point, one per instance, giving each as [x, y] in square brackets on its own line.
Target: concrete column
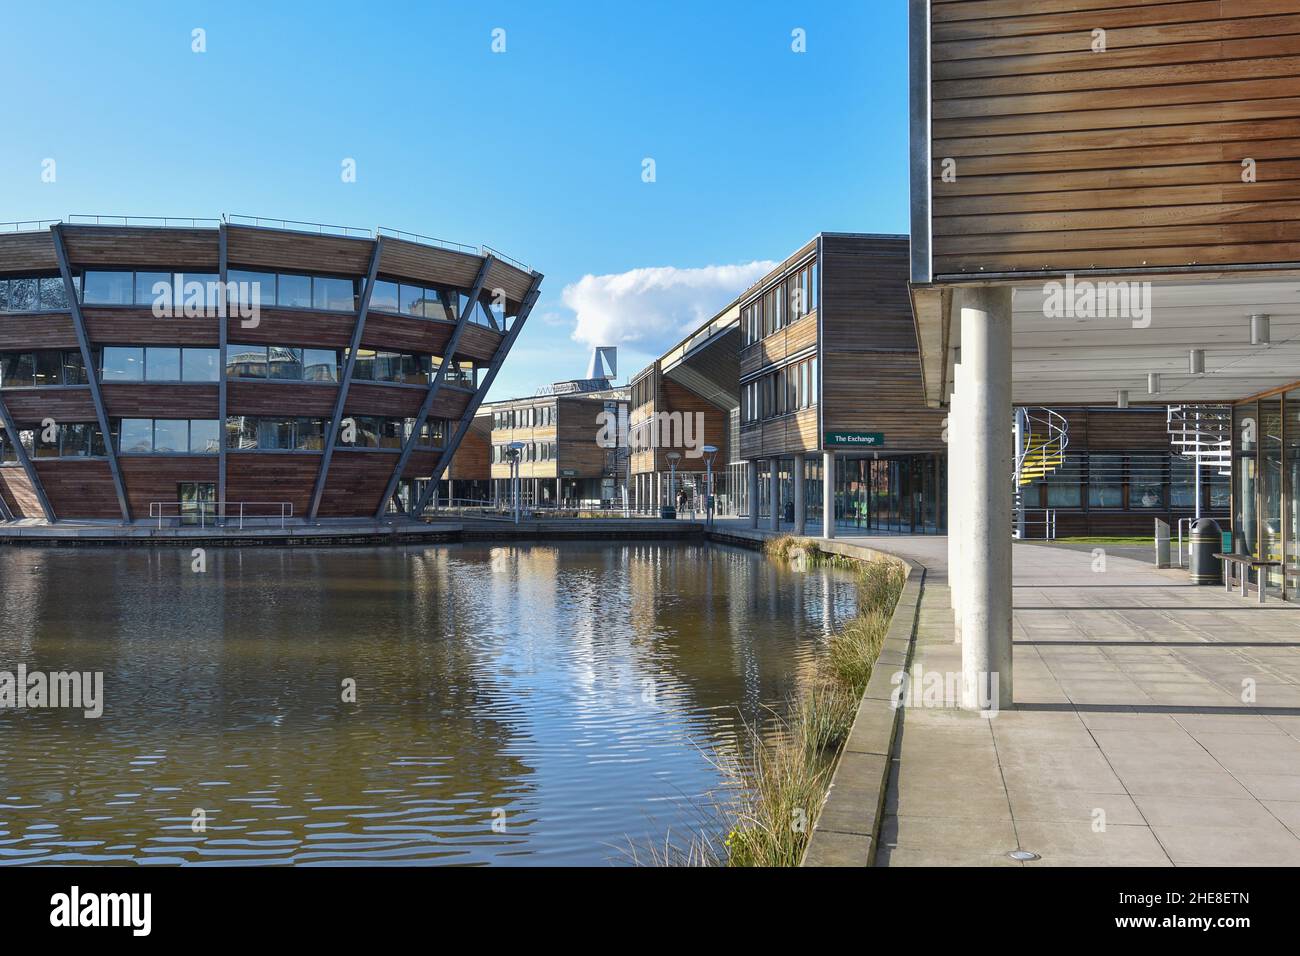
[751, 481]
[957, 488]
[828, 494]
[987, 461]
[798, 494]
[774, 494]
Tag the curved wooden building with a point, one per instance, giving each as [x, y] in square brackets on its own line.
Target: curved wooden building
[179, 373]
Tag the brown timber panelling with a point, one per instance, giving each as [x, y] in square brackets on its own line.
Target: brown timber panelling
[472, 460]
[132, 400]
[326, 330]
[126, 246]
[18, 493]
[870, 368]
[257, 476]
[1069, 159]
[366, 398]
[140, 327]
[23, 252]
[404, 333]
[273, 250]
[412, 260]
[280, 398]
[30, 406]
[478, 343]
[154, 478]
[356, 482]
[23, 331]
[79, 488]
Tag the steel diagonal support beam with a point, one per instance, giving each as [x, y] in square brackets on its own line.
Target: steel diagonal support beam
[223, 342]
[448, 354]
[92, 377]
[12, 428]
[526, 306]
[358, 328]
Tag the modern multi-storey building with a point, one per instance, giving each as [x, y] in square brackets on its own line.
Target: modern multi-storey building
[151, 372]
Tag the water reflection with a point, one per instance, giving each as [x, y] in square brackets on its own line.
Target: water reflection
[571, 694]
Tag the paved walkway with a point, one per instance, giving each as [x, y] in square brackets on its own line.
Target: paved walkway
[1156, 723]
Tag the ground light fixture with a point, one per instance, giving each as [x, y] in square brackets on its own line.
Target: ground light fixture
[1259, 330]
[1024, 856]
[515, 451]
[1196, 361]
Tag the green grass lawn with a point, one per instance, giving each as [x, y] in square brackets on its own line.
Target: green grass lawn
[1114, 539]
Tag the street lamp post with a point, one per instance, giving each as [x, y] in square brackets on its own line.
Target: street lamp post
[514, 451]
[673, 458]
[710, 450]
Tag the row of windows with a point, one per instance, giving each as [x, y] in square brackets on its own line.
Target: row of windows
[788, 389]
[120, 363]
[533, 416]
[1156, 481]
[531, 451]
[788, 300]
[35, 294]
[279, 433]
[74, 440]
[288, 290]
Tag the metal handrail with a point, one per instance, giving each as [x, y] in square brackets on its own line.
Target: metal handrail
[221, 509]
[322, 228]
[497, 254]
[428, 240]
[1048, 523]
[165, 222]
[28, 225]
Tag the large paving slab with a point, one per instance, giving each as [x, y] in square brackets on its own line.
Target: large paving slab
[1156, 723]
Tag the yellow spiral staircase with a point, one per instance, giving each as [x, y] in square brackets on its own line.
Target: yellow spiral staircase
[1041, 437]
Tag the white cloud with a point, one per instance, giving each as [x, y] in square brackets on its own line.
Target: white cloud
[650, 309]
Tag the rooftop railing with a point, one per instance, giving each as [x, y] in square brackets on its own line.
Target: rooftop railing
[510, 259]
[161, 222]
[298, 225]
[28, 225]
[428, 240]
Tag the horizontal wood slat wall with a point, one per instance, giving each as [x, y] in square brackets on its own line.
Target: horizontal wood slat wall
[402, 333]
[478, 343]
[271, 250]
[256, 476]
[280, 398]
[30, 407]
[139, 327]
[325, 330]
[23, 332]
[78, 487]
[129, 246]
[1069, 159]
[18, 492]
[24, 252]
[150, 479]
[366, 398]
[140, 400]
[356, 482]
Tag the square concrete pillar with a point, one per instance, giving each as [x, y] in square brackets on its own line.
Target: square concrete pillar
[751, 487]
[798, 494]
[986, 465]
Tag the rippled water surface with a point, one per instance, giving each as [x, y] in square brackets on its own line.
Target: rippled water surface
[574, 695]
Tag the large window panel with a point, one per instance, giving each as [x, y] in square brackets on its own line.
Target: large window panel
[74, 369]
[335, 295]
[122, 364]
[151, 287]
[1146, 481]
[320, 365]
[136, 436]
[108, 288]
[293, 291]
[205, 436]
[17, 370]
[53, 294]
[251, 287]
[24, 295]
[171, 435]
[385, 296]
[309, 434]
[246, 361]
[284, 362]
[201, 365]
[275, 433]
[48, 367]
[162, 364]
[1106, 481]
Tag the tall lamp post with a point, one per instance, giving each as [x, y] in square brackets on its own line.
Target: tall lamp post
[514, 451]
[710, 451]
[670, 509]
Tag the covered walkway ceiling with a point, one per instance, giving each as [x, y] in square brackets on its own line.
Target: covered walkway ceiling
[1086, 359]
[708, 362]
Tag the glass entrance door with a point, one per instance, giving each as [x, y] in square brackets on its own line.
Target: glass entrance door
[197, 502]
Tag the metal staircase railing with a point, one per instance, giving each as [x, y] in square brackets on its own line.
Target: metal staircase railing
[1041, 437]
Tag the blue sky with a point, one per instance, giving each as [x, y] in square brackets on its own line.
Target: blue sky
[537, 151]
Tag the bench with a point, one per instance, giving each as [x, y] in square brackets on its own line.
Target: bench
[1245, 562]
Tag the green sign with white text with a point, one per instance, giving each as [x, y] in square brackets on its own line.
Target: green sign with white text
[853, 439]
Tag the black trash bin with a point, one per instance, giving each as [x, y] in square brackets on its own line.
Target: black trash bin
[1207, 540]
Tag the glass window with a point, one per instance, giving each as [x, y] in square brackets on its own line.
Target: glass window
[320, 365]
[151, 287]
[74, 369]
[162, 364]
[364, 367]
[24, 295]
[136, 436]
[251, 287]
[205, 436]
[246, 361]
[275, 433]
[17, 369]
[293, 291]
[171, 434]
[332, 294]
[46, 449]
[53, 294]
[1146, 481]
[48, 367]
[241, 432]
[310, 434]
[384, 296]
[412, 299]
[200, 365]
[196, 293]
[284, 362]
[1105, 481]
[122, 364]
[107, 288]
[437, 305]
[4, 295]
[75, 441]
[390, 433]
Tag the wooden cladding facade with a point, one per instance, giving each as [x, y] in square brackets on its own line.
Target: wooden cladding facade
[1075, 135]
[354, 482]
